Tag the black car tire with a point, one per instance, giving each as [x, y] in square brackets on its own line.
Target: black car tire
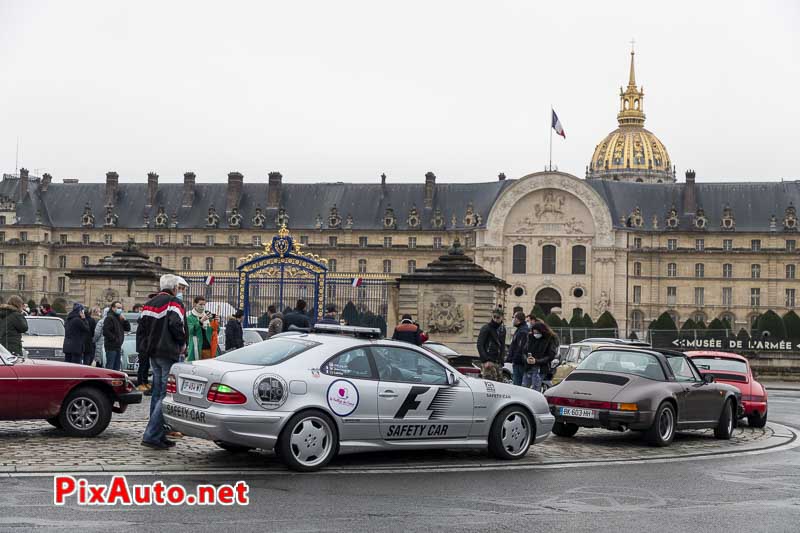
[233, 448]
[55, 422]
[317, 426]
[565, 429]
[757, 421]
[724, 428]
[86, 412]
[517, 416]
[662, 431]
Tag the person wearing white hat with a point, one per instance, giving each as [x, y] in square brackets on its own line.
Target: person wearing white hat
[161, 337]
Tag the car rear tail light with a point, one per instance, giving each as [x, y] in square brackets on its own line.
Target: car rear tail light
[172, 386]
[469, 370]
[219, 393]
[626, 407]
[754, 398]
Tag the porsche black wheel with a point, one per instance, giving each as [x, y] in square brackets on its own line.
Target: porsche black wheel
[565, 429]
[724, 429]
[85, 413]
[662, 431]
[757, 421]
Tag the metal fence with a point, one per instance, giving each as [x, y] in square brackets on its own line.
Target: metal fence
[361, 303]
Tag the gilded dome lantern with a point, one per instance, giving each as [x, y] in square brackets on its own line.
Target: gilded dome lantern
[631, 153]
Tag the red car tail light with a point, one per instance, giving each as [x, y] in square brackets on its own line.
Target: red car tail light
[468, 370]
[172, 386]
[219, 393]
[573, 402]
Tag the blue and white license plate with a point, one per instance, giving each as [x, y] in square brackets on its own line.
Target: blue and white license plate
[577, 412]
[191, 387]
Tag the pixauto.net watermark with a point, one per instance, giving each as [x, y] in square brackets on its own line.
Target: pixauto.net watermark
[119, 492]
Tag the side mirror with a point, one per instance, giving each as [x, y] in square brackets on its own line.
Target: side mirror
[708, 378]
[452, 379]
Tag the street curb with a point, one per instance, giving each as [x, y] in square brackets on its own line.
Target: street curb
[788, 436]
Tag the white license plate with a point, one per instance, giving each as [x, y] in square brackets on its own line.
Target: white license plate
[191, 387]
[577, 412]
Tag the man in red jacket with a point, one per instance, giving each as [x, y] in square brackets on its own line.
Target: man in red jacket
[407, 331]
[161, 336]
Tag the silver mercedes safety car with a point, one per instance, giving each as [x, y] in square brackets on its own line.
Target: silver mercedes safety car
[341, 389]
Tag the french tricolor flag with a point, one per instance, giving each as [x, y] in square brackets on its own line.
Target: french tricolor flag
[557, 125]
[209, 280]
[357, 282]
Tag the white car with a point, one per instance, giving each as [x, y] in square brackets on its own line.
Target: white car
[310, 396]
[44, 338]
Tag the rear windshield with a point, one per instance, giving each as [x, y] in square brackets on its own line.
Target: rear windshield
[45, 326]
[270, 352]
[719, 363]
[625, 362]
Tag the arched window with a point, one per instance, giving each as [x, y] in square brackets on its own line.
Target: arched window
[519, 263]
[548, 259]
[578, 259]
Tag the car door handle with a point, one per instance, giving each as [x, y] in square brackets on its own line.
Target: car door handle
[388, 394]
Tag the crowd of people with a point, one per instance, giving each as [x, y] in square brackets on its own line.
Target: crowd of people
[531, 350]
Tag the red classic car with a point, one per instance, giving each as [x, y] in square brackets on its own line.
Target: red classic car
[76, 398]
[735, 370]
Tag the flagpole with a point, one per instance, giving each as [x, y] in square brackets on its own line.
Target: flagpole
[550, 168]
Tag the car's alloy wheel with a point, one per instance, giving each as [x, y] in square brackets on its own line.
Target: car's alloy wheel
[662, 431]
[309, 441]
[757, 421]
[724, 429]
[565, 429]
[511, 434]
[85, 413]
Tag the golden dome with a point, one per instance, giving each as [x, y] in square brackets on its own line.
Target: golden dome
[630, 152]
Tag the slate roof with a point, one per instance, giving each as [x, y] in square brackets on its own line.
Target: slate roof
[62, 204]
[752, 203]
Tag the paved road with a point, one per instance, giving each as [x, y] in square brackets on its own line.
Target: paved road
[752, 492]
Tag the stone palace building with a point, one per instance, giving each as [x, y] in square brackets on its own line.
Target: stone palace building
[627, 237]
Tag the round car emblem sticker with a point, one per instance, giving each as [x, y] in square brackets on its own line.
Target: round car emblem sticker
[342, 397]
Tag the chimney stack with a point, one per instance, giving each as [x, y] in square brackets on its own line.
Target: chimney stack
[502, 176]
[188, 189]
[23, 184]
[112, 184]
[235, 181]
[274, 190]
[689, 198]
[152, 189]
[430, 189]
[46, 180]
[383, 179]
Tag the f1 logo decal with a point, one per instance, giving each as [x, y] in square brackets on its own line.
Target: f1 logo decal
[411, 403]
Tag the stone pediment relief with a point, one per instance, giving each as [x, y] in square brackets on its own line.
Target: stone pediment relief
[542, 242]
[551, 207]
[445, 315]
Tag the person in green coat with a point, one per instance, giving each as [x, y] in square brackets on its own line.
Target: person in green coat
[12, 325]
[198, 322]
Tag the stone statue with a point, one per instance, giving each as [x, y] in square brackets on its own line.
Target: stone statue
[603, 303]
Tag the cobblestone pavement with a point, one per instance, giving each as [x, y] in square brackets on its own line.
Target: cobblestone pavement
[35, 446]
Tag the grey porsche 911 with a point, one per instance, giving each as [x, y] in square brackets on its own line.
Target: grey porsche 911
[657, 392]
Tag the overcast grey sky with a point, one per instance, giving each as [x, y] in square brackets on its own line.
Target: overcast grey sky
[344, 90]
